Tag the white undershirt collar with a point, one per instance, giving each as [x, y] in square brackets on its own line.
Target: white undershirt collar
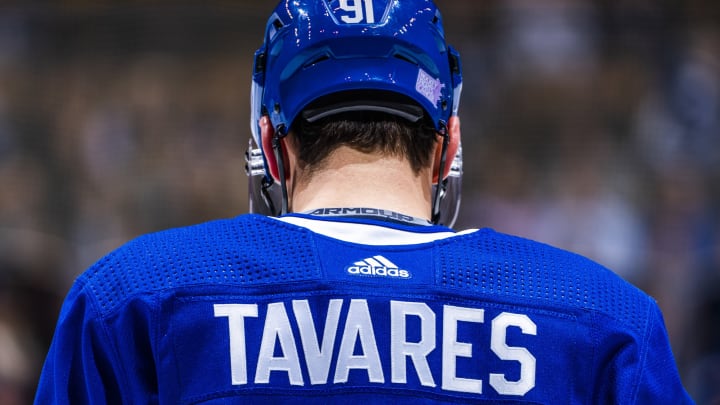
[370, 232]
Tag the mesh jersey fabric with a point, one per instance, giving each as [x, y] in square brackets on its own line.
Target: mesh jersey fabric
[256, 309]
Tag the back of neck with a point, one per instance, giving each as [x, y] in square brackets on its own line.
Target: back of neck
[349, 178]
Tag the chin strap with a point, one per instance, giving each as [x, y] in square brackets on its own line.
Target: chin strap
[277, 150]
[442, 183]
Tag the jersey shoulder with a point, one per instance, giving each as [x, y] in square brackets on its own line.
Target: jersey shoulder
[529, 271]
[219, 252]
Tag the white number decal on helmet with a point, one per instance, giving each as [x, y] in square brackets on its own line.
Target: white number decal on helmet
[360, 13]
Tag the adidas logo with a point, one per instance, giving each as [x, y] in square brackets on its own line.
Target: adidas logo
[377, 266]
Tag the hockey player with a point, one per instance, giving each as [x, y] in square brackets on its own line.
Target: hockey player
[351, 287]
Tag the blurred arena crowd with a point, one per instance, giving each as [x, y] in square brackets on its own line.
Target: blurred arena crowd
[591, 125]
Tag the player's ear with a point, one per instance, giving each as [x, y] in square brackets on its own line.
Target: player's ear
[453, 145]
[267, 133]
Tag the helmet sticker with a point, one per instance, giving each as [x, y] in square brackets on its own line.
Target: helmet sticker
[359, 11]
[429, 87]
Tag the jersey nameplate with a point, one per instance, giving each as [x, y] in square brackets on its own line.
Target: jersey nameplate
[290, 342]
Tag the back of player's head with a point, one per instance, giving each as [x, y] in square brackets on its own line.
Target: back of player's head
[320, 58]
[371, 132]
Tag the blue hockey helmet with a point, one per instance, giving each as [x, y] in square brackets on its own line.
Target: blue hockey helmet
[393, 50]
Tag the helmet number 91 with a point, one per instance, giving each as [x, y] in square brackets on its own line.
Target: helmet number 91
[361, 10]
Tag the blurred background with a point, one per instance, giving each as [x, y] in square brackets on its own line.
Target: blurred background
[591, 125]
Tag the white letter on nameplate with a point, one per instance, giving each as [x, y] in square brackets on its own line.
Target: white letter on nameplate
[236, 314]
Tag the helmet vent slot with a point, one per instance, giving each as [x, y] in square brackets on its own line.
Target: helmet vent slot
[404, 58]
[316, 60]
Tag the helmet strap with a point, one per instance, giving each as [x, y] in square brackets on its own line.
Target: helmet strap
[265, 193]
[442, 183]
[277, 151]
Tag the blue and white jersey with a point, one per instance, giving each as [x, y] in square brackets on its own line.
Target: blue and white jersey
[306, 309]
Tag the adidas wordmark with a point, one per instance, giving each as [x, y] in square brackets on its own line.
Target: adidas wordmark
[377, 266]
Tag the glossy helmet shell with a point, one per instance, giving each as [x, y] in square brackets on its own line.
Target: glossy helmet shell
[313, 49]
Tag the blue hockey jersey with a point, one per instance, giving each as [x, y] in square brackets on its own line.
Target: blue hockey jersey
[306, 309]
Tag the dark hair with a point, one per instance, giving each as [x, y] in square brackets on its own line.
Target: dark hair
[365, 131]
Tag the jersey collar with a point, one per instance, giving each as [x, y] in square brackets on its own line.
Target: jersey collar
[369, 213]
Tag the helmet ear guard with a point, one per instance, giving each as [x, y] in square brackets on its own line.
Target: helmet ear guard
[263, 191]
